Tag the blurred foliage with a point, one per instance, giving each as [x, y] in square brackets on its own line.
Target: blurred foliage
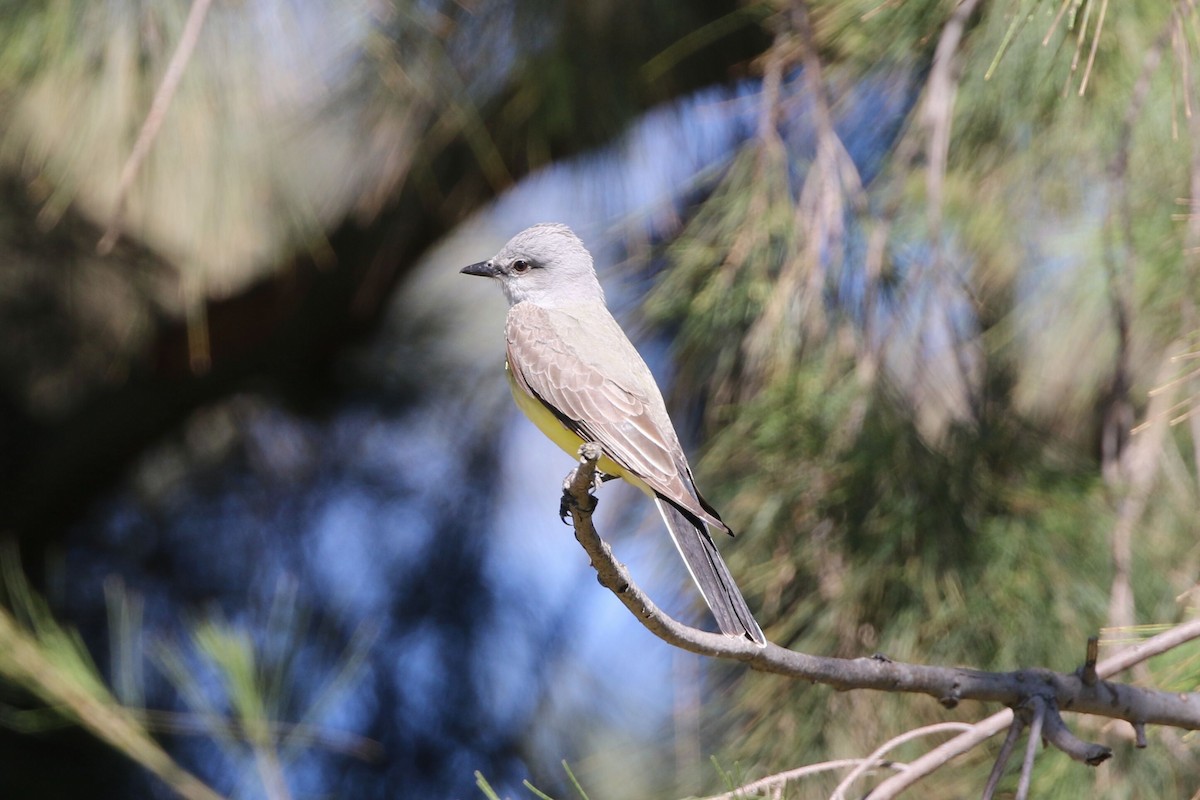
[302, 115]
[51, 663]
[865, 33]
[253, 106]
[917, 471]
[723, 268]
[237, 687]
[907, 375]
[308, 156]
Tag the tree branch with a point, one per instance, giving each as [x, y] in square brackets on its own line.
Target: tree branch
[1028, 688]
[1119, 662]
[154, 118]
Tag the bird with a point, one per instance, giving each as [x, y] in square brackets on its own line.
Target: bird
[575, 375]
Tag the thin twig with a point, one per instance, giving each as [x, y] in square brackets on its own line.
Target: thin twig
[780, 780]
[1006, 751]
[1054, 25]
[839, 793]
[938, 109]
[1087, 71]
[1037, 713]
[1087, 12]
[942, 754]
[154, 117]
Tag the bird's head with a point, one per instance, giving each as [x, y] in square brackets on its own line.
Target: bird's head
[546, 265]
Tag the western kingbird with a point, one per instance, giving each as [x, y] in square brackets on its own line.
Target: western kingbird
[576, 375]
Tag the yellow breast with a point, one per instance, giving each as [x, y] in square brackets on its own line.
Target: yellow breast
[558, 433]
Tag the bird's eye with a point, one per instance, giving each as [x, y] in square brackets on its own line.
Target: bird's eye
[520, 265]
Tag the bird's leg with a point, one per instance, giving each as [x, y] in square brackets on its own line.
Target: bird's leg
[569, 500]
[573, 484]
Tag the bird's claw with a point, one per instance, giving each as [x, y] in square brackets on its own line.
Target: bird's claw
[568, 503]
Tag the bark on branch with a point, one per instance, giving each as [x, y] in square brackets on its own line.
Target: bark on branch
[1084, 691]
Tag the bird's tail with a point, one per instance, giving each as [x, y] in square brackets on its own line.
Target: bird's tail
[710, 574]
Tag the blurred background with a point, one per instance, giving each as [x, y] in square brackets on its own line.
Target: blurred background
[918, 277]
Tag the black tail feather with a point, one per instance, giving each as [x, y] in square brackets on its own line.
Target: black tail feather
[711, 575]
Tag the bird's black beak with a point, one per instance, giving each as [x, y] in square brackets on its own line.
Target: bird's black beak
[484, 269]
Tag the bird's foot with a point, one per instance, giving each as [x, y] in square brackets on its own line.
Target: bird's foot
[589, 454]
[569, 503]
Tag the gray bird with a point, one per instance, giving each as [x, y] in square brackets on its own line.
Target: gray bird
[578, 378]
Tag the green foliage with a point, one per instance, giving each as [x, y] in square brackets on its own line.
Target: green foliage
[865, 33]
[485, 787]
[50, 662]
[32, 31]
[987, 552]
[256, 680]
[983, 540]
[724, 266]
[490, 793]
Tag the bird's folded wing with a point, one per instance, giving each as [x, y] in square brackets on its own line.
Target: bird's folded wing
[547, 362]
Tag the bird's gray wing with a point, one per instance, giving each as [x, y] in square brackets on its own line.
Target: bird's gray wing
[591, 378]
